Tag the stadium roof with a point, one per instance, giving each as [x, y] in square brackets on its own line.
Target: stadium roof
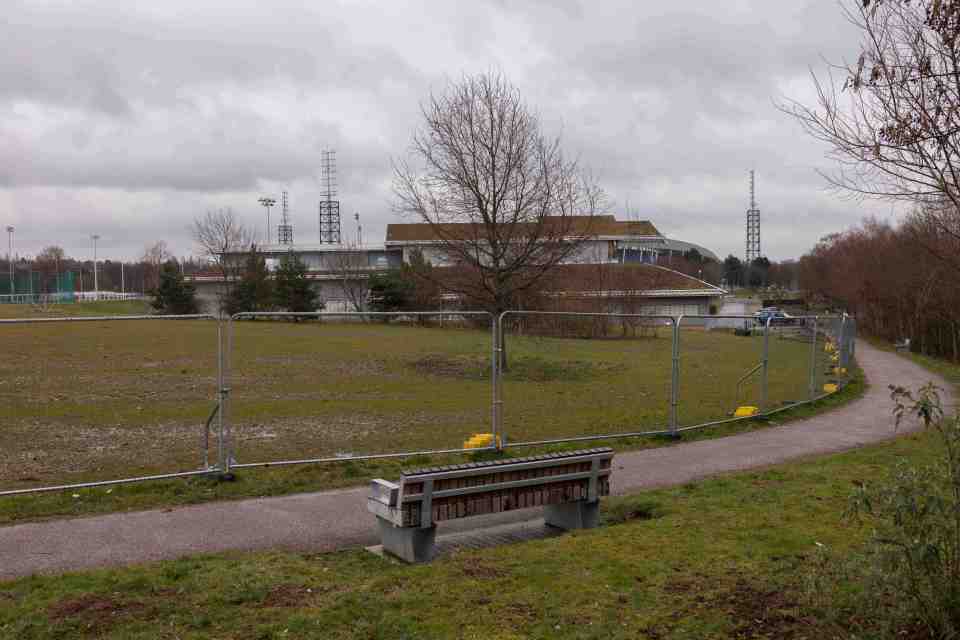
[610, 279]
[646, 278]
[600, 226]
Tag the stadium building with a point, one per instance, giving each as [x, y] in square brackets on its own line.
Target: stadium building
[627, 251]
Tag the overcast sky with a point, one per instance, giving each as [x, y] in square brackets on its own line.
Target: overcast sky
[129, 121]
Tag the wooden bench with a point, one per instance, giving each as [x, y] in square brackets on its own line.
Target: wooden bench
[903, 345]
[567, 485]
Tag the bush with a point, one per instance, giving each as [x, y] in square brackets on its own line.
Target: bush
[910, 570]
[173, 296]
[391, 292]
[292, 290]
[254, 292]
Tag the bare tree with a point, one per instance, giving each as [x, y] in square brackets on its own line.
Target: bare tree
[353, 276]
[223, 241]
[49, 262]
[503, 201]
[892, 118]
[154, 256]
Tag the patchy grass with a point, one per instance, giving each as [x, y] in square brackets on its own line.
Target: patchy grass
[721, 558]
[94, 401]
[298, 479]
[78, 309]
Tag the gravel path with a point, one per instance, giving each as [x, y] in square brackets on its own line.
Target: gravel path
[336, 519]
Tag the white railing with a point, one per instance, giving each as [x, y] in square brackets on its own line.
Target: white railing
[66, 297]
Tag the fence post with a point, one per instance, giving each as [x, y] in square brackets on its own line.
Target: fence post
[766, 364]
[675, 375]
[223, 438]
[500, 436]
[220, 374]
[813, 361]
[842, 342]
[853, 341]
[494, 426]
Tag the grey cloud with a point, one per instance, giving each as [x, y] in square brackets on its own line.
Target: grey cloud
[138, 118]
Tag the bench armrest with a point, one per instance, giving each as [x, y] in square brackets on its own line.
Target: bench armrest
[384, 491]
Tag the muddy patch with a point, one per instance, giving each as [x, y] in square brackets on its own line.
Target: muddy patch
[93, 612]
[754, 610]
[475, 568]
[469, 367]
[288, 595]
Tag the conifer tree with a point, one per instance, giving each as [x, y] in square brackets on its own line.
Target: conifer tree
[292, 289]
[255, 290]
[173, 296]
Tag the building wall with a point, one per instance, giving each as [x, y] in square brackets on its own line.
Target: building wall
[335, 260]
[590, 252]
[329, 291]
[678, 306]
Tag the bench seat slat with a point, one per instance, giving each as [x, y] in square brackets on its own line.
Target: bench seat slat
[526, 482]
[511, 461]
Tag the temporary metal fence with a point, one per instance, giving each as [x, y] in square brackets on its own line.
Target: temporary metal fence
[811, 334]
[229, 463]
[204, 468]
[623, 318]
[840, 331]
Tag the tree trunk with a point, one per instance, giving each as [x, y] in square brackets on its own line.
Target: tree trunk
[953, 334]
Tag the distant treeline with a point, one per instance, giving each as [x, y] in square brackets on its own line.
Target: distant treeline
[900, 281]
[52, 269]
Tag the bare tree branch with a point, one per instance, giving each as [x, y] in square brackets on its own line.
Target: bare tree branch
[892, 124]
[222, 240]
[353, 276]
[501, 198]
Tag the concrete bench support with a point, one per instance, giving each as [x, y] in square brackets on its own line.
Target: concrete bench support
[410, 544]
[582, 514]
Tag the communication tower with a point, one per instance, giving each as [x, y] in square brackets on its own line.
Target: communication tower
[329, 208]
[753, 225]
[284, 229]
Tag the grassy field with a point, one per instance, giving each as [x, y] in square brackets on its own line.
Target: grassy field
[90, 401]
[79, 309]
[723, 558]
[303, 478]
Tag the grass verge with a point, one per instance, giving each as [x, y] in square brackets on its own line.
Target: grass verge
[720, 558]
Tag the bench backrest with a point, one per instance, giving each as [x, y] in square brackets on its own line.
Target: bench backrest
[466, 490]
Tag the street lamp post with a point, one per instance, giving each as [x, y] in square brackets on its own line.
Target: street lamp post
[267, 203]
[10, 256]
[96, 285]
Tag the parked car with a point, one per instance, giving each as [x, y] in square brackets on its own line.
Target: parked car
[775, 315]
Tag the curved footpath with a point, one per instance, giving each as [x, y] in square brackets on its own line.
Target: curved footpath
[336, 519]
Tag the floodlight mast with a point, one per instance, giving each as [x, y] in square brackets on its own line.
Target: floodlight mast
[10, 256]
[96, 285]
[267, 203]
